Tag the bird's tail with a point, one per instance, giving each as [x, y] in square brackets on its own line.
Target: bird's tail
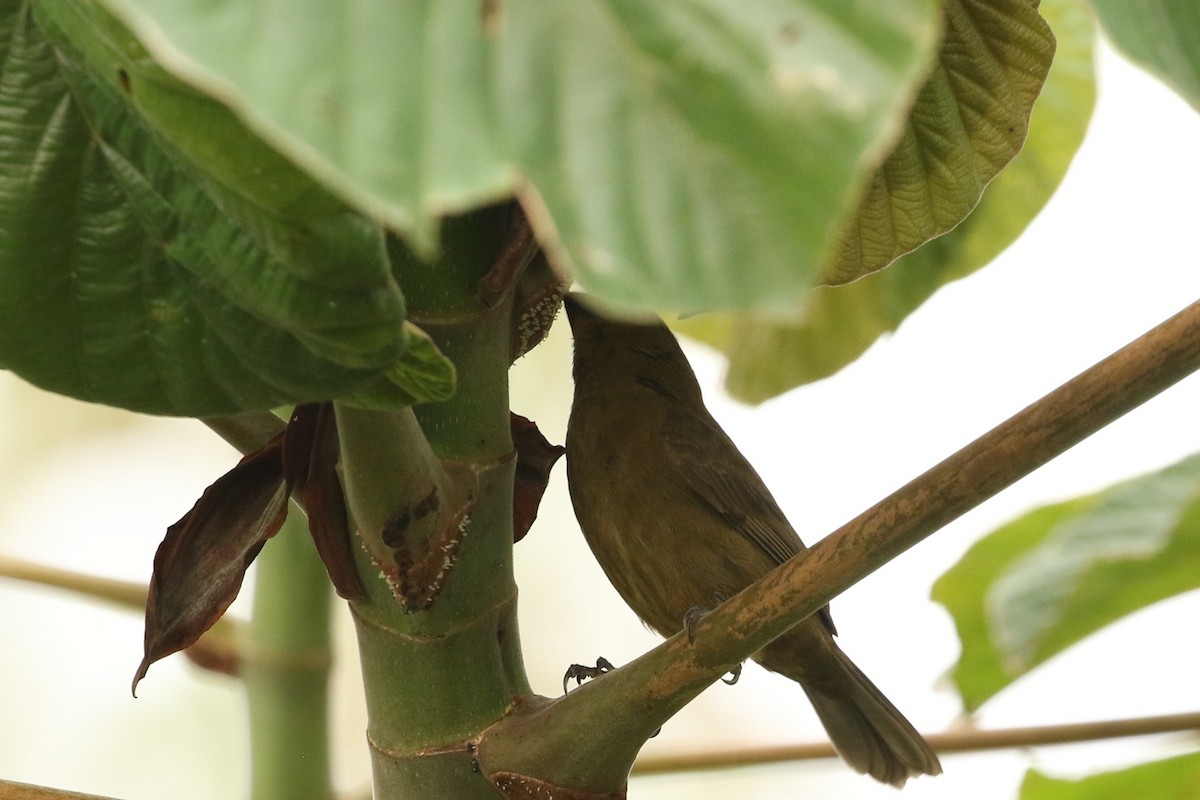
[867, 731]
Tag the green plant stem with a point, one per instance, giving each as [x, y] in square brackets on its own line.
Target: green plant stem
[286, 659]
[436, 677]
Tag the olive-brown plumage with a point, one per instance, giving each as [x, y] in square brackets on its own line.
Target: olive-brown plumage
[679, 520]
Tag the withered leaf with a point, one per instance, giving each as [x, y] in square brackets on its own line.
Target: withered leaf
[514, 255]
[325, 503]
[202, 560]
[298, 443]
[535, 458]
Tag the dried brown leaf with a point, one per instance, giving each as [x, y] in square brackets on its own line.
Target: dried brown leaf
[298, 445]
[202, 560]
[325, 503]
[535, 458]
[515, 252]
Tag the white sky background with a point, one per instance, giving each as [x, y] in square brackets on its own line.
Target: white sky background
[1114, 254]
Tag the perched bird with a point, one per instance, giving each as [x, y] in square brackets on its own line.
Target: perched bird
[679, 521]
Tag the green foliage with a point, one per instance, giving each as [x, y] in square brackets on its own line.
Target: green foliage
[423, 375]
[691, 155]
[835, 325]
[1048, 579]
[969, 120]
[1160, 35]
[133, 277]
[1170, 779]
[221, 206]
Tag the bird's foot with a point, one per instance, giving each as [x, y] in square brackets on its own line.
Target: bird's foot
[581, 673]
[734, 674]
[693, 615]
[691, 619]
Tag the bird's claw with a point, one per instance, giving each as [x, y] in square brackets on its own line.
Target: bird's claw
[734, 674]
[691, 619]
[581, 672]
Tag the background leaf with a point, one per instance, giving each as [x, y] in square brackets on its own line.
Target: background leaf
[1050, 578]
[688, 154]
[835, 325]
[1175, 778]
[1160, 35]
[970, 119]
[132, 277]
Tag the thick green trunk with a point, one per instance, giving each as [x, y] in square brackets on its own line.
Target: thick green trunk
[436, 677]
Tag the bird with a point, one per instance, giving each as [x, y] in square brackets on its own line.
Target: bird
[679, 521]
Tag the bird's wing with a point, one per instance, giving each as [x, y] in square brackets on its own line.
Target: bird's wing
[725, 483]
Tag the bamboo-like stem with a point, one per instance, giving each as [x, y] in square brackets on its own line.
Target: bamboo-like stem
[961, 741]
[437, 673]
[286, 656]
[619, 709]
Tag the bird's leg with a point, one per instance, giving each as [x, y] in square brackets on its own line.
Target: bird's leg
[692, 618]
[582, 673]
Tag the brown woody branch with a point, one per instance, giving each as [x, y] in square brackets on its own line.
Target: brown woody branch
[963, 741]
[23, 791]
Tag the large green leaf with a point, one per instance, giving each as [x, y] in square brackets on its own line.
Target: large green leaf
[1161, 35]
[969, 121]
[693, 154]
[1046, 580]
[132, 275]
[1175, 778]
[835, 325]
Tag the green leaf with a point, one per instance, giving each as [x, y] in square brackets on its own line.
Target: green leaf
[423, 375]
[1175, 778]
[1052, 577]
[391, 105]
[835, 325]
[703, 155]
[969, 121]
[1163, 36]
[693, 154]
[132, 276]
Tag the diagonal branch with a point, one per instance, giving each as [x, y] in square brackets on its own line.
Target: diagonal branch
[621, 709]
[246, 431]
[961, 741]
[24, 791]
